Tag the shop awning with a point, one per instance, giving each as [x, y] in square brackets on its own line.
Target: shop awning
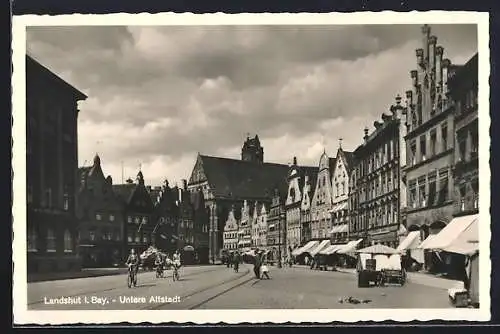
[426, 241]
[350, 247]
[331, 249]
[343, 228]
[468, 241]
[411, 241]
[338, 207]
[448, 235]
[307, 247]
[323, 244]
[378, 249]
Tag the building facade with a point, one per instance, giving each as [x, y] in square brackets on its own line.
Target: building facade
[276, 226]
[165, 217]
[101, 220]
[339, 232]
[51, 170]
[430, 140]
[231, 232]
[322, 201]
[306, 208]
[464, 92]
[375, 192]
[296, 180]
[229, 182]
[138, 212]
[245, 227]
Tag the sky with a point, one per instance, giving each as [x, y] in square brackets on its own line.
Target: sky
[159, 95]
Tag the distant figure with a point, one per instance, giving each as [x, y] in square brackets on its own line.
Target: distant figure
[264, 271]
[236, 261]
[256, 266]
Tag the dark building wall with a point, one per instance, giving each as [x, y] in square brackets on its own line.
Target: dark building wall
[101, 220]
[52, 164]
[464, 91]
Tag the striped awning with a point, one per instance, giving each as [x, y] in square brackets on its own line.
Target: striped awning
[339, 229]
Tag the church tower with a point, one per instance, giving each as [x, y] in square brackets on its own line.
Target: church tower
[252, 151]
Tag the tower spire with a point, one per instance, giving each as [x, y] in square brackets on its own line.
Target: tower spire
[340, 142]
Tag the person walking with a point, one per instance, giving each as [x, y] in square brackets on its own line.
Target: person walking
[236, 261]
[264, 271]
[256, 266]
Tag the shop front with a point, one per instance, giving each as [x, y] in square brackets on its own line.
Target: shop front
[387, 236]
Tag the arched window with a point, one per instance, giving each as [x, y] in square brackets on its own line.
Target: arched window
[32, 240]
[68, 242]
[51, 240]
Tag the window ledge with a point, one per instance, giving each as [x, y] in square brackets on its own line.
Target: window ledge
[51, 250]
[68, 251]
[32, 250]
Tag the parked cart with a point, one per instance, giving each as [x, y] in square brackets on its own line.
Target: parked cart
[379, 264]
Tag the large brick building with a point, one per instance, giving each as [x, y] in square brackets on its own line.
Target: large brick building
[51, 168]
[101, 220]
[464, 91]
[430, 140]
[229, 182]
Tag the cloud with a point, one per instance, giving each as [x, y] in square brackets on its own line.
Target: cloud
[160, 95]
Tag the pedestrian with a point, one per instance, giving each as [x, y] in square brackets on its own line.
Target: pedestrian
[264, 271]
[236, 261]
[256, 265]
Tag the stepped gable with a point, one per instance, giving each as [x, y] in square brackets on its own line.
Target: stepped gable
[237, 179]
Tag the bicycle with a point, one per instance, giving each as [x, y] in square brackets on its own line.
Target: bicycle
[159, 271]
[132, 276]
[175, 274]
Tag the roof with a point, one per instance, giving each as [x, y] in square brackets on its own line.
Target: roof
[231, 178]
[312, 172]
[33, 66]
[350, 159]
[331, 164]
[124, 191]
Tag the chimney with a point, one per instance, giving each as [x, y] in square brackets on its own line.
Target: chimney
[397, 108]
[420, 57]
[184, 184]
[426, 31]
[432, 51]
[439, 62]
[366, 134]
[446, 63]
[295, 161]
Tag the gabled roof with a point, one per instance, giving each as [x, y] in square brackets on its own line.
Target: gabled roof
[312, 172]
[231, 178]
[331, 164]
[124, 191]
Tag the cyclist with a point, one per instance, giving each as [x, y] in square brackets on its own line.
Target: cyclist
[177, 264]
[133, 261]
[159, 264]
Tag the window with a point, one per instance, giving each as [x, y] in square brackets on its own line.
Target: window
[48, 197]
[443, 189]
[137, 237]
[144, 237]
[137, 220]
[130, 236]
[29, 195]
[444, 136]
[98, 217]
[66, 202]
[68, 242]
[475, 189]
[32, 240]
[433, 144]
[51, 241]
[423, 148]
[413, 153]
[462, 197]
[129, 219]
[117, 235]
[462, 148]
[421, 193]
[92, 235]
[432, 190]
[474, 144]
[111, 218]
[413, 194]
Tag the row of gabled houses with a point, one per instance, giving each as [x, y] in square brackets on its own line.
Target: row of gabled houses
[416, 171]
[113, 218]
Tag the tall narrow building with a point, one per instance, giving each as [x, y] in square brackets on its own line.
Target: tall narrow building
[51, 170]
